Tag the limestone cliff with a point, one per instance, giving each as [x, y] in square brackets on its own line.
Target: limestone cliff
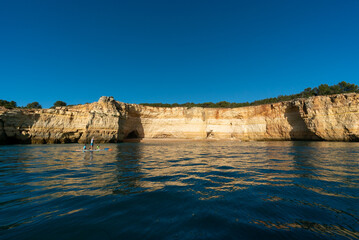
[62, 124]
[334, 118]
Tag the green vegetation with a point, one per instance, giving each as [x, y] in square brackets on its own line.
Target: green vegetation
[33, 105]
[322, 89]
[60, 104]
[6, 104]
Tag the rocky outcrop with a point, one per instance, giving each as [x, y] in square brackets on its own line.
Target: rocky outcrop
[63, 124]
[333, 118]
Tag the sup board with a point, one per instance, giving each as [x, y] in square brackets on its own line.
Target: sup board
[95, 150]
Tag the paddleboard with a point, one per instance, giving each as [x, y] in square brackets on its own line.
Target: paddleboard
[95, 150]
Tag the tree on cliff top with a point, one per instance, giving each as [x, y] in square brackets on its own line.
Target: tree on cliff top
[33, 105]
[8, 104]
[323, 89]
[60, 104]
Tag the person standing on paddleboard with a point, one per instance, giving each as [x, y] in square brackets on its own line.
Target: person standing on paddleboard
[92, 143]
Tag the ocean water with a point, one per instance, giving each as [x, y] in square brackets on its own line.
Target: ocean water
[181, 190]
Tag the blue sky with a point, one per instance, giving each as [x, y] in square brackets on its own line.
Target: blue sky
[174, 51]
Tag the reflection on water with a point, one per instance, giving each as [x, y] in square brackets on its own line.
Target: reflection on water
[275, 189]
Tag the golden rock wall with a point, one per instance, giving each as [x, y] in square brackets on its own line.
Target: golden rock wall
[333, 118]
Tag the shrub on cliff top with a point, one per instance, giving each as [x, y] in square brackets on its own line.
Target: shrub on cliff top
[60, 104]
[33, 105]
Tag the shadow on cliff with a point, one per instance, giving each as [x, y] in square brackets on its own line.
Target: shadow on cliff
[15, 126]
[130, 126]
[299, 130]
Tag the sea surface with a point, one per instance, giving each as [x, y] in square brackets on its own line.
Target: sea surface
[181, 190]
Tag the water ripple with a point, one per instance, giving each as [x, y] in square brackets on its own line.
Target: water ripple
[179, 190]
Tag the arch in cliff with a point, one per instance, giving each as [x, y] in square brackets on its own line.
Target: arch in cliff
[132, 135]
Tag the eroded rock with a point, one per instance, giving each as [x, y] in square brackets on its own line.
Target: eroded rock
[333, 118]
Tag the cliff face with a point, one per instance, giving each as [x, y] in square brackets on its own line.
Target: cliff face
[334, 118]
[63, 124]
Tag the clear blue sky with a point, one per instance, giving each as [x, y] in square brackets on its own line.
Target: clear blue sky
[174, 51]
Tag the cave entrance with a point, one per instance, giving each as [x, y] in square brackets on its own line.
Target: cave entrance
[132, 135]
